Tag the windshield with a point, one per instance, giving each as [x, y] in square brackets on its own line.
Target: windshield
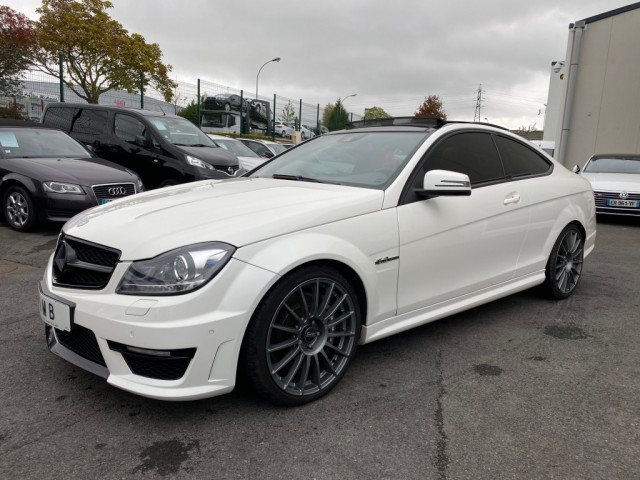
[180, 131]
[237, 148]
[39, 142]
[277, 148]
[613, 165]
[367, 159]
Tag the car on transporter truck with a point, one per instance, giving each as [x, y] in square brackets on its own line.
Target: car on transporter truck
[279, 275]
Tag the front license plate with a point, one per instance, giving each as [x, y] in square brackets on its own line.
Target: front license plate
[622, 203]
[55, 313]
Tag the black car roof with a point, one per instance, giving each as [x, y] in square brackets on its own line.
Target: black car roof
[139, 111]
[415, 122]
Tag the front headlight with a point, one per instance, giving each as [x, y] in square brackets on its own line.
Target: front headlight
[175, 272]
[196, 162]
[57, 187]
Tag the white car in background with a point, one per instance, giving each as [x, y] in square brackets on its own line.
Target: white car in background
[346, 239]
[247, 158]
[282, 129]
[616, 183]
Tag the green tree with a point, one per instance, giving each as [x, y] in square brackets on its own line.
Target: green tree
[338, 117]
[17, 47]
[326, 114]
[375, 112]
[431, 107]
[99, 53]
[190, 112]
[288, 113]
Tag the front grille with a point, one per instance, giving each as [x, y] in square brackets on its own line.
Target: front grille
[82, 341]
[158, 364]
[228, 169]
[81, 264]
[602, 207]
[113, 190]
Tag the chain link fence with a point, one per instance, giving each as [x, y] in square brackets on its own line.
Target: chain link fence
[221, 108]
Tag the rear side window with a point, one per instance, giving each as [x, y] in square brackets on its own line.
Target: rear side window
[127, 127]
[474, 154]
[520, 161]
[60, 117]
[91, 122]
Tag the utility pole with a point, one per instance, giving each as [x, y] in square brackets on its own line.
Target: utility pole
[477, 114]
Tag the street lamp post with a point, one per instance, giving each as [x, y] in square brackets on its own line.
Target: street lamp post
[277, 59]
[335, 117]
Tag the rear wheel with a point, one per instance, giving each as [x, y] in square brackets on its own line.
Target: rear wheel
[302, 337]
[564, 266]
[18, 208]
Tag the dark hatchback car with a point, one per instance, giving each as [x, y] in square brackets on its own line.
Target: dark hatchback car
[45, 175]
[162, 149]
[224, 101]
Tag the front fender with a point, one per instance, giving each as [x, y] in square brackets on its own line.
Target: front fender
[366, 244]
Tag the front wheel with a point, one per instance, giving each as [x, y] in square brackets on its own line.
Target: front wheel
[564, 266]
[302, 337]
[18, 208]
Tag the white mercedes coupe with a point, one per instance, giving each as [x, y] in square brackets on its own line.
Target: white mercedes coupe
[279, 275]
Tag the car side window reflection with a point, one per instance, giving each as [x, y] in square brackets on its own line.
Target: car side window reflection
[520, 161]
[471, 153]
[128, 127]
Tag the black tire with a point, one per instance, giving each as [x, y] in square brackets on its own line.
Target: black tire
[564, 266]
[302, 336]
[18, 209]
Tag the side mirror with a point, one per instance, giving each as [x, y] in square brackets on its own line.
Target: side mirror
[439, 183]
[575, 169]
[266, 154]
[141, 141]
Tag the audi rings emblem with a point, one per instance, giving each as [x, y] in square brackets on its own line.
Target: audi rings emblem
[117, 191]
[624, 195]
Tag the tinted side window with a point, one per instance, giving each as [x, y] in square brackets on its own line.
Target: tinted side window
[474, 154]
[520, 161]
[60, 117]
[127, 127]
[92, 122]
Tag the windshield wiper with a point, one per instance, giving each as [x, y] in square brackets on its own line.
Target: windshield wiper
[191, 145]
[297, 178]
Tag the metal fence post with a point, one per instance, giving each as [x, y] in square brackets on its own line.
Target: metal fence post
[60, 58]
[142, 90]
[241, 112]
[318, 120]
[198, 108]
[300, 116]
[273, 128]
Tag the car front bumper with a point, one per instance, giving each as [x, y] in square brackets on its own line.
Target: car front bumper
[134, 341]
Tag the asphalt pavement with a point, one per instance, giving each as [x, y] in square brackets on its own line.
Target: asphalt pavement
[522, 388]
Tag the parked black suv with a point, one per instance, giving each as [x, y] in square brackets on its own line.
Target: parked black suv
[162, 149]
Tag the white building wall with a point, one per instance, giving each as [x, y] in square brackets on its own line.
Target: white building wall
[605, 117]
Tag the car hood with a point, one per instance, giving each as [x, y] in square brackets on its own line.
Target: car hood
[82, 171]
[614, 182]
[238, 212]
[249, 163]
[212, 155]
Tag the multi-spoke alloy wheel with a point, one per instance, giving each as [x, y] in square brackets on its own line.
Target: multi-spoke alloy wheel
[18, 208]
[565, 263]
[303, 337]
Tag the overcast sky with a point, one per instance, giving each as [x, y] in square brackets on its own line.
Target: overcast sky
[392, 54]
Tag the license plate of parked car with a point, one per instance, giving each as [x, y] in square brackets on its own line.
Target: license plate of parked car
[55, 313]
[623, 203]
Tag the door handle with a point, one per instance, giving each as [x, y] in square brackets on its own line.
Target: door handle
[512, 198]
